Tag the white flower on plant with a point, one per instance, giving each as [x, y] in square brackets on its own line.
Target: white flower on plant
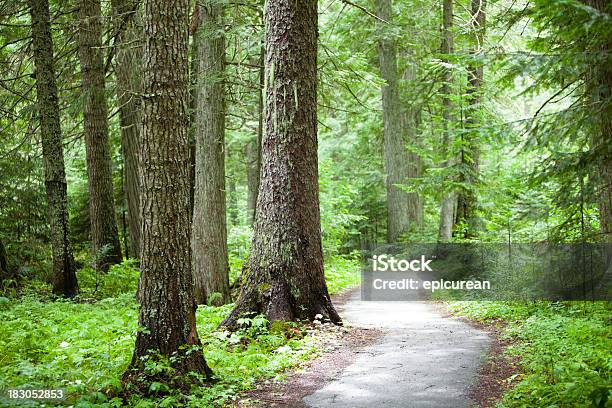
[283, 349]
[64, 344]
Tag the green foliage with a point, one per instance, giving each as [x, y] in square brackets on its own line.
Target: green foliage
[120, 279]
[239, 242]
[564, 350]
[84, 348]
[342, 273]
[338, 221]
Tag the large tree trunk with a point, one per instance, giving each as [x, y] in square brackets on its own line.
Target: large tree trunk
[64, 276]
[167, 306]
[209, 233]
[253, 151]
[285, 279]
[449, 202]
[104, 233]
[470, 152]
[400, 204]
[128, 71]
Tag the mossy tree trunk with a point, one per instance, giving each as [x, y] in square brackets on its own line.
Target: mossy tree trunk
[104, 232]
[167, 307]
[449, 201]
[285, 279]
[209, 229]
[403, 208]
[64, 276]
[127, 71]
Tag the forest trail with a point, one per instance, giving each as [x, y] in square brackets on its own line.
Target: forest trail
[423, 360]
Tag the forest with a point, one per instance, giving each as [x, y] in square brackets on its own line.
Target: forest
[191, 191]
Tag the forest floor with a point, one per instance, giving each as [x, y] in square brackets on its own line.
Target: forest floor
[396, 354]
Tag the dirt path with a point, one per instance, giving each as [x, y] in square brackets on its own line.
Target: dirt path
[423, 359]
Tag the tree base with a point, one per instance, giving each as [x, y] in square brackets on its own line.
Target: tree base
[278, 304]
[155, 375]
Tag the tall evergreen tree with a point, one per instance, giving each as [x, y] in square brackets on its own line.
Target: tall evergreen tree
[470, 149]
[449, 201]
[285, 279]
[600, 81]
[104, 233]
[64, 274]
[128, 56]
[167, 306]
[403, 208]
[209, 229]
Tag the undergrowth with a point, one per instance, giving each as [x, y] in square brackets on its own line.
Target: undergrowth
[84, 346]
[564, 349]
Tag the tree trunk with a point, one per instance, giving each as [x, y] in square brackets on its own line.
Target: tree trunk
[600, 80]
[397, 162]
[193, 86]
[449, 202]
[104, 232]
[128, 71]
[253, 151]
[209, 233]
[470, 152]
[232, 199]
[410, 120]
[64, 276]
[167, 306]
[285, 279]
[4, 269]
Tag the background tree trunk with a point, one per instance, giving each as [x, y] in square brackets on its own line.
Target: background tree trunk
[167, 306]
[449, 202]
[470, 152]
[397, 163]
[600, 81]
[285, 279]
[128, 71]
[254, 151]
[104, 233]
[4, 269]
[64, 276]
[410, 120]
[209, 233]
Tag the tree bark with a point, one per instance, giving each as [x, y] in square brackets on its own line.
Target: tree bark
[410, 120]
[167, 306]
[232, 199]
[104, 232]
[449, 202]
[127, 72]
[209, 233]
[397, 163]
[470, 153]
[599, 80]
[285, 279]
[4, 269]
[64, 276]
[253, 151]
